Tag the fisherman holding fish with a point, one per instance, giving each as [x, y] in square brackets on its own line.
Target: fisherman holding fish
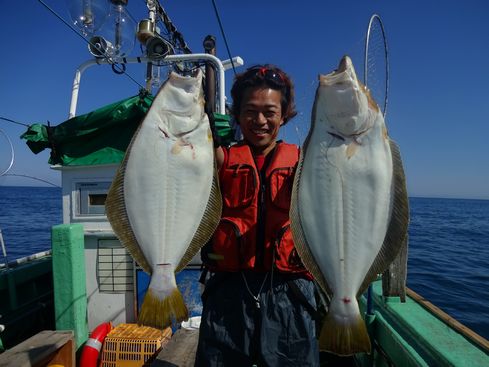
[338, 212]
[259, 298]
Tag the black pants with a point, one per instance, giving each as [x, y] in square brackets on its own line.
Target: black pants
[235, 332]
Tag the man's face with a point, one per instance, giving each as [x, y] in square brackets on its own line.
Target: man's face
[260, 118]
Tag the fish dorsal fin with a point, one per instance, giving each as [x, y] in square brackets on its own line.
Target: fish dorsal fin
[208, 224]
[298, 235]
[398, 224]
[116, 213]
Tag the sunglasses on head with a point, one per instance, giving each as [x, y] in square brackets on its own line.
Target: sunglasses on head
[267, 74]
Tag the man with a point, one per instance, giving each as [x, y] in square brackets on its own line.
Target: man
[257, 300]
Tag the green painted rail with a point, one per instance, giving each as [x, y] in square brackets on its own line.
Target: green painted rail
[417, 333]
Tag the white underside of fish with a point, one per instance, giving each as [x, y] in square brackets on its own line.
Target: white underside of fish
[163, 204]
[168, 179]
[344, 205]
[349, 209]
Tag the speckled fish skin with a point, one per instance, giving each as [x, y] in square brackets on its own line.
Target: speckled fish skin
[342, 203]
[164, 203]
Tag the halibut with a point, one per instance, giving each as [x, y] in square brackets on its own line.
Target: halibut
[349, 212]
[164, 203]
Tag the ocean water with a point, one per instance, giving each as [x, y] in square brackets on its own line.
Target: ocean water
[448, 261]
[448, 257]
[26, 217]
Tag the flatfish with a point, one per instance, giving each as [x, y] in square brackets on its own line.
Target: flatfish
[349, 211]
[164, 203]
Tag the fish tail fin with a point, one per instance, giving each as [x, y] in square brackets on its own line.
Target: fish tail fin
[160, 311]
[163, 303]
[344, 335]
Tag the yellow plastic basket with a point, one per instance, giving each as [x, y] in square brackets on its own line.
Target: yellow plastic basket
[130, 345]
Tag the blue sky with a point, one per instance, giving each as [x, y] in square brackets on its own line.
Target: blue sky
[438, 55]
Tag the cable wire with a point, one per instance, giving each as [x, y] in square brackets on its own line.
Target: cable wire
[14, 122]
[223, 35]
[32, 177]
[130, 15]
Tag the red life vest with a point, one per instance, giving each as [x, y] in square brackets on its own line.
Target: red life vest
[254, 231]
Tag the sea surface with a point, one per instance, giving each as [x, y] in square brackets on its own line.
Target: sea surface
[448, 261]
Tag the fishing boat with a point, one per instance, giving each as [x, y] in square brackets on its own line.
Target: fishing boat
[58, 300]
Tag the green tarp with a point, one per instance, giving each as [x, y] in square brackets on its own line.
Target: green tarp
[101, 136]
[98, 137]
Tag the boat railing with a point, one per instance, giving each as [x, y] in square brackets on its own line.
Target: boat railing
[23, 260]
[220, 67]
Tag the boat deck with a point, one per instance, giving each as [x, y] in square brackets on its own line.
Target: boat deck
[180, 350]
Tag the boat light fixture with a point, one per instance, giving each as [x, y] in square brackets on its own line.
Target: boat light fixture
[117, 35]
[88, 15]
[157, 47]
[209, 43]
[100, 47]
[146, 30]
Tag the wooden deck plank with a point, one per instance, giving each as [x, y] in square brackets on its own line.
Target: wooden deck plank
[45, 347]
[179, 351]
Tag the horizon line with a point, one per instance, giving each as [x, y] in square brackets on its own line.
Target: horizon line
[414, 196]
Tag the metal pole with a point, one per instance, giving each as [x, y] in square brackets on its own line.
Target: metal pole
[4, 250]
[210, 75]
[149, 76]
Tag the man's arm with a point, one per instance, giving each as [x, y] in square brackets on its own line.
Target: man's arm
[219, 157]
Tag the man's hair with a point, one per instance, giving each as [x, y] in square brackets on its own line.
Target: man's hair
[266, 76]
